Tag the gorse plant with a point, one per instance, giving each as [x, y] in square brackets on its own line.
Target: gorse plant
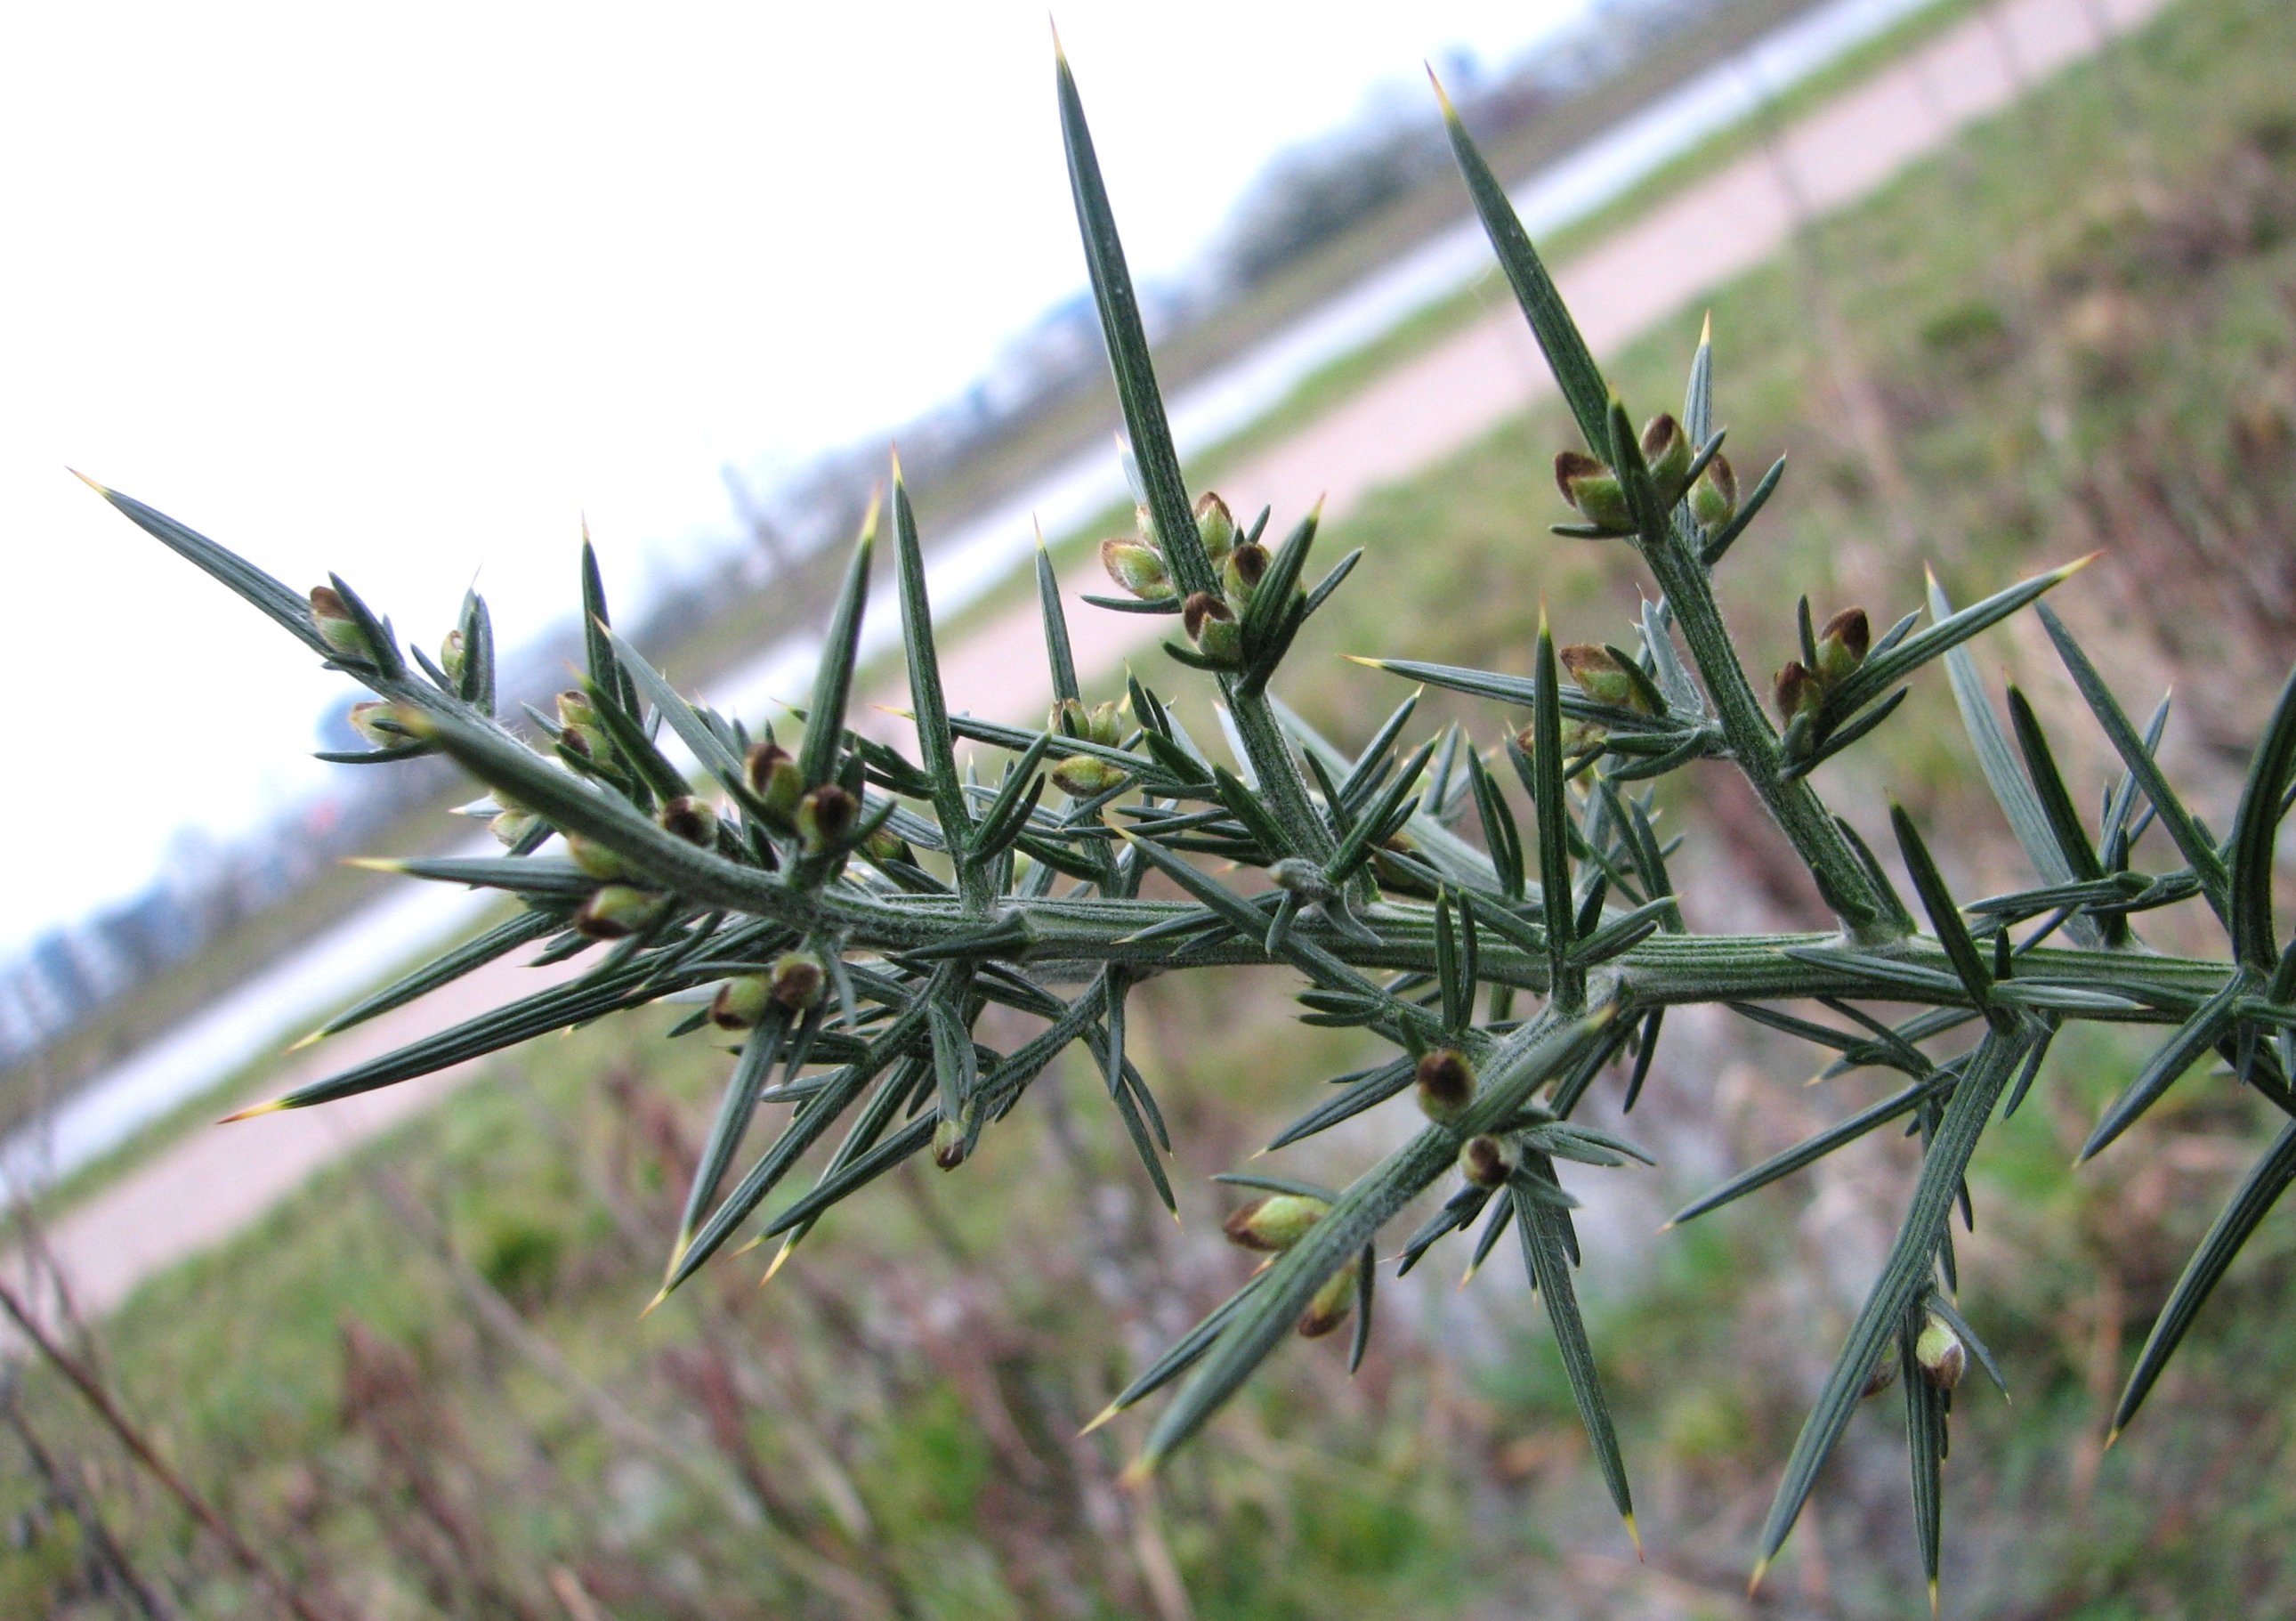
[851, 911]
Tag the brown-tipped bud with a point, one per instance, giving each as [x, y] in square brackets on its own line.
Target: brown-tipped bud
[694, 821]
[1067, 719]
[1087, 776]
[1447, 1085]
[619, 910]
[1841, 645]
[1212, 627]
[1274, 1223]
[1594, 489]
[1666, 450]
[453, 658]
[825, 818]
[1135, 566]
[511, 825]
[1884, 1375]
[1488, 1161]
[1798, 692]
[580, 729]
[1938, 1352]
[1214, 527]
[1391, 874]
[949, 1135]
[1600, 676]
[1105, 724]
[331, 617]
[886, 845]
[595, 858]
[1714, 499]
[1578, 737]
[1144, 525]
[741, 1003]
[574, 709]
[772, 776]
[797, 980]
[373, 722]
[1240, 575]
[1331, 1305]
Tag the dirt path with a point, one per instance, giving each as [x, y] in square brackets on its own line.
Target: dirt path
[213, 1183]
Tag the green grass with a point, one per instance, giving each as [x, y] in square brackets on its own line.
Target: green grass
[928, 1357]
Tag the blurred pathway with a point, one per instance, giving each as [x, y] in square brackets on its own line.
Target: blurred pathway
[214, 1182]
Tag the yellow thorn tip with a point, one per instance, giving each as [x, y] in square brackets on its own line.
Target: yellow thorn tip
[1706, 331]
[272, 1107]
[780, 1260]
[662, 1296]
[1761, 1570]
[1106, 1414]
[2111, 1436]
[90, 482]
[1635, 1532]
[1139, 1473]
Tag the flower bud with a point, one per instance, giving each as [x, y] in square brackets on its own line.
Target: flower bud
[617, 910]
[1841, 645]
[373, 722]
[1600, 676]
[949, 1135]
[694, 821]
[581, 731]
[1242, 573]
[797, 980]
[741, 1001]
[1067, 719]
[453, 658]
[595, 858]
[1105, 724]
[1137, 567]
[1144, 525]
[1214, 527]
[1087, 776]
[1274, 1223]
[510, 827]
[1884, 1375]
[1594, 489]
[332, 616]
[1714, 499]
[1447, 1085]
[826, 818]
[1488, 1161]
[1393, 873]
[772, 776]
[1666, 450]
[886, 845]
[1943, 1357]
[1798, 692]
[1578, 737]
[1330, 1305]
[1213, 629]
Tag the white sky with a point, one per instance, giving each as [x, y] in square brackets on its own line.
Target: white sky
[401, 291]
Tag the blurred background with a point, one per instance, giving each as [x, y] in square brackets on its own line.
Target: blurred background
[413, 297]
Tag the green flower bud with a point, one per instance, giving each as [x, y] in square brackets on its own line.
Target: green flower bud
[949, 1135]
[1841, 645]
[1393, 875]
[1666, 450]
[452, 656]
[1798, 692]
[1105, 724]
[1213, 629]
[1488, 1161]
[741, 1001]
[1943, 1357]
[797, 980]
[694, 821]
[1600, 676]
[825, 818]
[581, 731]
[1274, 1224]
[1884, 1375]
[1330, 1305]
[1578, 737]
[331, 617]
[1143, 525]
[373, 722]
[1714, 499]
[1241, 574]
[1087, 776]
[1594, 489]
[1067, 719]
[574, 709]
[595, 858]
[1447, 1085]
[772, 776]
[619, 910]
[1214, 527]
[1138, 568]
[511, 825]
[886, 845]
